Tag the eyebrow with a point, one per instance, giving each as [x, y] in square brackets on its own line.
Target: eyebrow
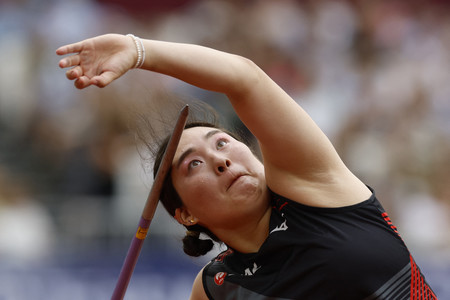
[183, 156]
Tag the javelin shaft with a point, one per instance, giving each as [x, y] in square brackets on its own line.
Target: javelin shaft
[149, 208]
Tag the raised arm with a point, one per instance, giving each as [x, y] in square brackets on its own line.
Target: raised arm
[299, 160]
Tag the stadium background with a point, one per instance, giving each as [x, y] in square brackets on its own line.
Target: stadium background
[373, 74]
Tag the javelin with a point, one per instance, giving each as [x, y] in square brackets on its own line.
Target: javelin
[149, 208]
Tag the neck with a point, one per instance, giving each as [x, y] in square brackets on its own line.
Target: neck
[249, 238]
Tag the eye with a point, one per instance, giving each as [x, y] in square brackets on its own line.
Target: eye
[221, 144]
[193, 164]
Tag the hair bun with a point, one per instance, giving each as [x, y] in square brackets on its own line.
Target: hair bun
[194, 246]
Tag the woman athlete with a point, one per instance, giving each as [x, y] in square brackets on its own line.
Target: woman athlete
[300, 225]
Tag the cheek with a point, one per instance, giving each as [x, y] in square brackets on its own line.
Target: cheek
[197, 191]
[244, 154]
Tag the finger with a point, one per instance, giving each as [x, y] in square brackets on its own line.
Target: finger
[71, 48]
[69, 61]
[74, 73]
[104, 79]
[82, 82]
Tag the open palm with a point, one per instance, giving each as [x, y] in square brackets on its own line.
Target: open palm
[98, 61]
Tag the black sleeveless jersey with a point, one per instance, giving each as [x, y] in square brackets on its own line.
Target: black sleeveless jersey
[352, 252]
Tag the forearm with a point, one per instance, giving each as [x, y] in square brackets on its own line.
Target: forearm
[200, 66]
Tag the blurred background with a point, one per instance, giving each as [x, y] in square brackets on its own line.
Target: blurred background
[374, 74]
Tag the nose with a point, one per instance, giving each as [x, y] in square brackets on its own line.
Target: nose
[222, 164]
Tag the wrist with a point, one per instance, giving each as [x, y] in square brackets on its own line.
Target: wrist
[140, 50]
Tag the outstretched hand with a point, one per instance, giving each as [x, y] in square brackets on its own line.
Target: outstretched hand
[99, 60]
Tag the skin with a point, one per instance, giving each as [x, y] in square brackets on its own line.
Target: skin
[300, 163]
[214, 174]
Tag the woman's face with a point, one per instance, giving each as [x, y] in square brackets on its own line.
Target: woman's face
[218, 178]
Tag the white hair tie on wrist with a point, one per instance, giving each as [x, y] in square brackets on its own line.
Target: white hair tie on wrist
[140, 51]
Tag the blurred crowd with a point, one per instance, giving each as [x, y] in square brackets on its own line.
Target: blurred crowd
[374, 74]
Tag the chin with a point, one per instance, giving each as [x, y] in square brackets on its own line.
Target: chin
[249, 190]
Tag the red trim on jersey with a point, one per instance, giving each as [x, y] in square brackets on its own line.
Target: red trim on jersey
[419, 288]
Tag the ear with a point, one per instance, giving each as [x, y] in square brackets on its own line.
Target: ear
[184, 217]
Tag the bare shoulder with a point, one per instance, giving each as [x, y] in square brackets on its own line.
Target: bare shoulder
[198, 292]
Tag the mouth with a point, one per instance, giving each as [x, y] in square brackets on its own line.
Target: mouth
[233, 181]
